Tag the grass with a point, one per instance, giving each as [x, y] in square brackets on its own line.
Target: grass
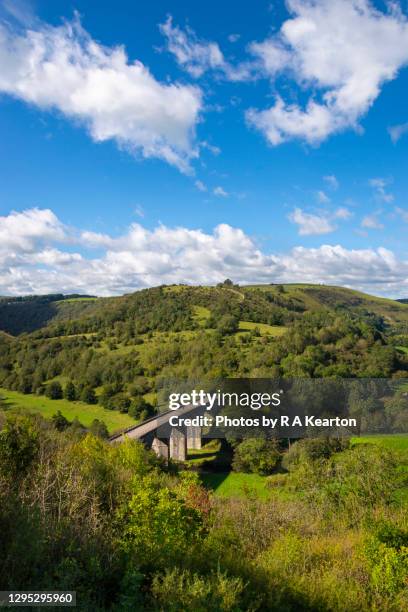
[264, 329]
[201, 315]
[78, 299]
[86, 413]
[236, 484]
[396, 442]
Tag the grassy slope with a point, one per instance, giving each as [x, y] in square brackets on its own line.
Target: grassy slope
[86, 413]
[316, 297]
[233, 484]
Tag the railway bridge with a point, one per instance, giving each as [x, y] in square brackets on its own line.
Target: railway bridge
[164, 439]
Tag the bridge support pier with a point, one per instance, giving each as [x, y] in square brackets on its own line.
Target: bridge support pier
[178, 445]
[160, 448]
[194, 437]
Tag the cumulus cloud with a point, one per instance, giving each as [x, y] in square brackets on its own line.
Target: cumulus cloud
[62, 68]
[310, 224]
[36, 257]
[198, 56]
[345, 51]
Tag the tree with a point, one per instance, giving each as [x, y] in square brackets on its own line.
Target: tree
[256, 455]
[88, 395]
[59, 421]
[140, 409]
[70, 393]
[99, 429]
[54, 390]
[228, 324]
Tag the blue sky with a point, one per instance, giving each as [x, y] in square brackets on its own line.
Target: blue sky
[268, 145]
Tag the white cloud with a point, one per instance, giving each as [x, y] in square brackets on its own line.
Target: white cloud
[27, 231]
[372, 222]
[322, 197]
[200, 185]
[220, 192]
[345, 51]
[64, 69]
[210, 147]
[343, 213]
[397, 131]
[309, 224]
[198, 56]
[32, 259]
[332, 181]
[234, 38]
[379, 185]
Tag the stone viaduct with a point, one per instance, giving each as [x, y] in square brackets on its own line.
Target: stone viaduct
[165, 440]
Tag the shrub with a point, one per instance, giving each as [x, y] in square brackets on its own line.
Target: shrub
[188, 591]
[256, 455]
[54, 390]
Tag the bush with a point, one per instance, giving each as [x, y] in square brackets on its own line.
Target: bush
[59, 421]
[256, 455]
[312, 449]
[188, 591]
[227, 325]
[88, 395]
[70, 393]
[54, 390]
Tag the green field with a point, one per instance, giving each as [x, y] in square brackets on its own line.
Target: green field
[236, 484]
[86, 413]
[396, 442]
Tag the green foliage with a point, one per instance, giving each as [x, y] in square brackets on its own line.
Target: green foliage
[59, 421]
[18, 447]
[88, 395]
[256, 455]
[70, 392]
[185, 590]
[227, 325]
[159, 525]
[54, 390]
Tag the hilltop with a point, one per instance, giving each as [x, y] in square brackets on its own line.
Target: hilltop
[267, 304]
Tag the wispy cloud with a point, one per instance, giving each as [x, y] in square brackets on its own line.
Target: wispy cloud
[220, 192]
[372, 222]
[379, 185]
[332, 181]
[198, 56]
[200, 185]
[397, 131]
[322, 197]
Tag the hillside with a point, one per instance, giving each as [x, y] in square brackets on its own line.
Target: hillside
[116, 352]
[259, 303]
